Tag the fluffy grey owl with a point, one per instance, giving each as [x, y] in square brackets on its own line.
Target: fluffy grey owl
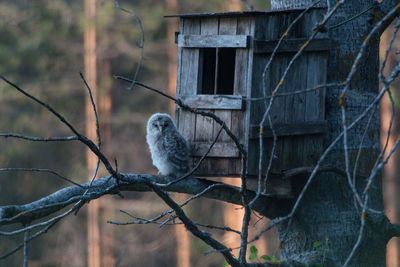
[168, 148]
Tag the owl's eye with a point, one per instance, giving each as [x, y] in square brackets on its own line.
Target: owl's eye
[155, 125]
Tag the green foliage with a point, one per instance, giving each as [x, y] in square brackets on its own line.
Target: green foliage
[323, 251]
[254, 255]
[317, 244]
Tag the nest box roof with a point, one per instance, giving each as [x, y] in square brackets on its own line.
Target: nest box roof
[236, 13]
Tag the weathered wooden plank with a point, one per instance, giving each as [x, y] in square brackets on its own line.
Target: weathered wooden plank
[267, 27]
[242, 58]
[242, 82]
[209, 26]
[277, 69]
[264, 88]
[204, 125]
[291, 129]
[219, 150]
[186, 120]
[297, 81]
[291, 45]
[225, 116]
[213, 101]
[234, 167]
[186, 124]
[208, 60]
[204, 128]
[243, 13]
[204, 168]
[293, 145]
[315, 108]
[204, 41]
[190, 60]
[227, 26]
[248, 88]
[317, 72]
[217, 167]
[179, 64]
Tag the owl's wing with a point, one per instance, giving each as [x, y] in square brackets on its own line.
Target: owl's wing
[177, 152]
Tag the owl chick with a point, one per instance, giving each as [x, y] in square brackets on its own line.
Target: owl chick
[169, 150]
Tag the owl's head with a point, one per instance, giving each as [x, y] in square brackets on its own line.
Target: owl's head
[159, 123]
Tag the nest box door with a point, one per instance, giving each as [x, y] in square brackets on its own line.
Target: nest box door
[297, 115]
[213, 74]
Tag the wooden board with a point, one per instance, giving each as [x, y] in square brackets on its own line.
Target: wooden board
[315, 108]
[187, 81]
[291, 129]
[202, 41]
[291, 45]
[189, 67]
[219, 150]
[226, 26]
[213, 101]
[204, 125]
[295, 106]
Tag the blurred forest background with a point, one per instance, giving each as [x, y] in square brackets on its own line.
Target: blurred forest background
[42, 50]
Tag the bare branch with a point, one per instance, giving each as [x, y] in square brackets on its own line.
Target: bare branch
[37, 234]
[80, 136]
[388, 5]
[141, 45]
[265, 205]
[39, 139]
[26, 249]
[247, 5]
[206, 237]
[41, 170]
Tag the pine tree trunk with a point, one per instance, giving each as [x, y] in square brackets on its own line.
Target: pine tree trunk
[93, 237]
[328, 212]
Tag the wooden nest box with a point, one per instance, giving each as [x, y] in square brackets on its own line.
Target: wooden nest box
[221, 59]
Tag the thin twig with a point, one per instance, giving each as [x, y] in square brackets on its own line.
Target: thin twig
[349, 78]
[45, 223]
[41, 170]
[37, 234]
[26, 249]
[80, 136]
[121, 255]
[353, 17]
[190, 226]
[141, 45]
[39, 139]
[97, 130]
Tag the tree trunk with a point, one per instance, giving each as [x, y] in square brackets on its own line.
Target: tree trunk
[93, 237]
[328, 212]
[391, 176]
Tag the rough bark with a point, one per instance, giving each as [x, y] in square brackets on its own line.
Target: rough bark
[328, 213]
[48, 205]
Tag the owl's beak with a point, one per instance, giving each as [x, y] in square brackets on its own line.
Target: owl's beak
[160, 129]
